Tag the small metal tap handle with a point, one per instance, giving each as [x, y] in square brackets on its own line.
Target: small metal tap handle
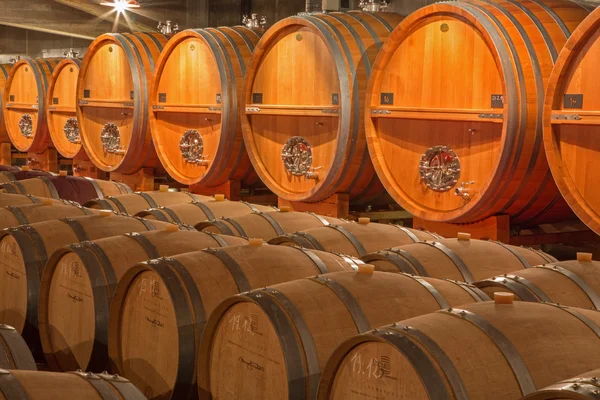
[312, 173]
[463, 190]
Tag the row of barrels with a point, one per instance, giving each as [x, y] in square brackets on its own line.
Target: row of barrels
[363, 82]
[21, 380]
[187, 296]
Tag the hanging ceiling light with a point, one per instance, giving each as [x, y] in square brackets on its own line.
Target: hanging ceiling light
[121, 5]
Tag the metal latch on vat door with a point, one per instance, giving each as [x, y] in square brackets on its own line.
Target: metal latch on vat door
[566, 117]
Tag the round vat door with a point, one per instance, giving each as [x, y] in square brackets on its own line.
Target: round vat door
[71, 130]
[440, 168]
[297, 156]
[111, 138]
[26, 125]
[192, 147]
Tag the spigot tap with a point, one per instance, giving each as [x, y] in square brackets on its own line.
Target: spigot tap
[313, 173]
[463, 190]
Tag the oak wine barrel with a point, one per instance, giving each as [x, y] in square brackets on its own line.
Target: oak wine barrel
[303, 105]
[24, 104]
[9, 168]
[483, 351]
[267, 225]
[571, 121]
[134, 203]
[73, 188]
[14, 353]
[160, 307]
[61, 112]
[4, 71]
[581, 387]
[46, 210]
[355, 239]
[571, 283]
[195, 212]
[8, 199]
[36, 385]
[459, 139]
[272, 343]
[462, 259]
[10, 176]
[113, 100]
[195, 120]
[24, 251]
[78, 283]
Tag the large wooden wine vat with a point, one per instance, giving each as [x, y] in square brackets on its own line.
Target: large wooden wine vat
[195, 116]
[4, 71]
[24, 104]
[571, 122]
[455, 109]
[304, 104]
[113, 100]
[61, 112]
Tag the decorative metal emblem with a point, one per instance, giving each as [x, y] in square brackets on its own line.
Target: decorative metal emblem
[440, 168]
[168, 28]
[192, 146]
[297, 156]
[111, 138]
[71, 130]
[373, 5]
[254, 22]
[26, 126]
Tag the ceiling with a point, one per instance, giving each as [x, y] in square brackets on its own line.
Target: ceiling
[88, 19]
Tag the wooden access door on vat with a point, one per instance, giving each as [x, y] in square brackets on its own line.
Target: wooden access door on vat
[455, 109]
